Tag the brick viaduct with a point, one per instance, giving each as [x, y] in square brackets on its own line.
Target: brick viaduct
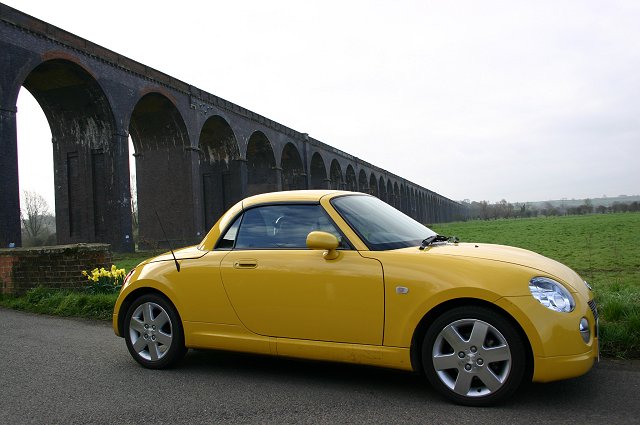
[196, 154]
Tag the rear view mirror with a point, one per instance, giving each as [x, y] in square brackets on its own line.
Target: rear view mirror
[324, 240]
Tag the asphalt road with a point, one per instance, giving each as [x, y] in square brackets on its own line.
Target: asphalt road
[65, 371]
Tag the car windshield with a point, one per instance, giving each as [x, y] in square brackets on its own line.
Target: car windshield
[378, 224]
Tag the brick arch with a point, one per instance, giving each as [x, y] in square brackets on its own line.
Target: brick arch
[318, 172]
[220, 170]
[82, 125]
[431, 207]
[391, 200]
[293, 175]
[261, 165]
[363, 182]
[337, 181]
[397, 195]
[351, 183]
[406, 201]
[26, 71]
[74, 103]
[383, 189]
[412, 203]
[373, 185]
[163, 161]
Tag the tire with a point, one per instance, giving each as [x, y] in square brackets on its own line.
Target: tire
[473, 356]
[153, 332]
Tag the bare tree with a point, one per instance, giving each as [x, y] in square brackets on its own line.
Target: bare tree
[34, 213]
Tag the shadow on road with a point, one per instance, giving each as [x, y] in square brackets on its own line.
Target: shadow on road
[303, 371]
[393, 383]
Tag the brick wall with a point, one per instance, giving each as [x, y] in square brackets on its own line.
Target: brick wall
[58, 266]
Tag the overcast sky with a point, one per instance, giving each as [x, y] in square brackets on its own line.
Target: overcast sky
[481, 100]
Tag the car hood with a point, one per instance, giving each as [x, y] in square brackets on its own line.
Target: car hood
[509, 254]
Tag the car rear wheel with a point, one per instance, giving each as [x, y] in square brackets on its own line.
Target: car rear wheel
[473, 356]
[153, 332]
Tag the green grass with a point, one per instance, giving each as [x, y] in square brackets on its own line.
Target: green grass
[603, 248]
[128, 260]
[63, 303]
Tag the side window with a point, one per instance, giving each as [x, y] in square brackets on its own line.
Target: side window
[226, 242]
[280, 227]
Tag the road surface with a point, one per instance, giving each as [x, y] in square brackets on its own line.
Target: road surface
[65, 371]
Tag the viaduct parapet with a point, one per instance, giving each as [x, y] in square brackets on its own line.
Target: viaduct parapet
[196, 153]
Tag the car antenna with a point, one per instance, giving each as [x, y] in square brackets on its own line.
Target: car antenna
[168, 241]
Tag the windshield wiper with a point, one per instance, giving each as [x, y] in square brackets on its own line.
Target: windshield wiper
[437, 238]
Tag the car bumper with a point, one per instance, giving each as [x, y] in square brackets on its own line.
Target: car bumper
[556, 368]
[114, 324]
[558, 349]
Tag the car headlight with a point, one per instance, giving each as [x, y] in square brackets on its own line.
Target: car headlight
[551, 294]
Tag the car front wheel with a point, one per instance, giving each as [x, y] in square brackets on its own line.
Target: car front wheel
[473, 356]
[153, 332]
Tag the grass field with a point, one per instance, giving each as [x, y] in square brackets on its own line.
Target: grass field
[603, 248]
[128, 260]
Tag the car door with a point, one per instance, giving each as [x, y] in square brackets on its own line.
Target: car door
[280, 288]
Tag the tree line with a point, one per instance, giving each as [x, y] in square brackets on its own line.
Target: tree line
[484, 210]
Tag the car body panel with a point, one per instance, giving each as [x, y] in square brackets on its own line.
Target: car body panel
[550, 369]
[514, 255]
[226, 337]
[307, 296]
[196, 290]
[373, 355]
[432, 280]
[188, 253]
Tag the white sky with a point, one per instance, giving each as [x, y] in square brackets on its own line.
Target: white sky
[522, 100]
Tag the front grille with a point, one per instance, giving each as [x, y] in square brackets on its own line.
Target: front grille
[594, 310]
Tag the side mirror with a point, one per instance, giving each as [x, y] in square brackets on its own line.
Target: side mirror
[326, 241]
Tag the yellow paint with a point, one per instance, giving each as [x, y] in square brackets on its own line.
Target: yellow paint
[226, 337]
[300, 294]
[393, 357]
[361, 306]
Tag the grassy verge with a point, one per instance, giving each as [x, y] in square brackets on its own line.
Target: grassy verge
[603, 249]
[63, 303]
[74, 303]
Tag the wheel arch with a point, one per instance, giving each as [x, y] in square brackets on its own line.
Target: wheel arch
[132, 296]
[427, 319]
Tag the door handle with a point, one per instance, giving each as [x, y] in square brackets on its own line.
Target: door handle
[245, 264]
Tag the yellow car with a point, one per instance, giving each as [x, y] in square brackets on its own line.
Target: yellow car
[343, 276]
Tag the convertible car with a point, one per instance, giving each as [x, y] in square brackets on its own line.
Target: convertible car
[343, 276]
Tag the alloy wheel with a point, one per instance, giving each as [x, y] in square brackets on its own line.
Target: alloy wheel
[151, 331]
[471, 357]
